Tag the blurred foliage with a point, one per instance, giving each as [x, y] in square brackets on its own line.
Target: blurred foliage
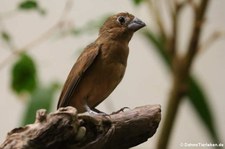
[31, 5]
[24, 74]
[196, 94]
[28, 5]
[41, 98]
[24, 79]
[137, 2]
[199, 100]
[5, 36]
[159, 44]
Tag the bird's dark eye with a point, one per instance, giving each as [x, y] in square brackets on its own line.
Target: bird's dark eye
[121, 20]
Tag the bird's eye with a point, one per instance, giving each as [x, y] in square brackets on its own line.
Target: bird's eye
[121, 20]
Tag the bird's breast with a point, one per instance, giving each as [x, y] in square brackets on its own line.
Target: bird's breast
[114, 52]
[109, 69]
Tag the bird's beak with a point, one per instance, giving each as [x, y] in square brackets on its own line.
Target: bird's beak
[136, 24]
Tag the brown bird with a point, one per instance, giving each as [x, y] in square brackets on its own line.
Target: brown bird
[101, 66]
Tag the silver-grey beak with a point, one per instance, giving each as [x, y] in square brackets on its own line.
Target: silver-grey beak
[136, 24]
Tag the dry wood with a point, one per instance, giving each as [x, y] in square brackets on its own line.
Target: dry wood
[67, 129]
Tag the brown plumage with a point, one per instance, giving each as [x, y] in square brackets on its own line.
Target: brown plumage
[101, 66]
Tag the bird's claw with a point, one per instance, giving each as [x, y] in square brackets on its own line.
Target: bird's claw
[120, 110]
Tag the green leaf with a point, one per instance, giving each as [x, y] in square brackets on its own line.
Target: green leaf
[158, 43]
[28, 5]
[200, 102]
[196, 93]
[41, 98]
[31, 5]
[24, 78]
[5, 36]
[137, 2]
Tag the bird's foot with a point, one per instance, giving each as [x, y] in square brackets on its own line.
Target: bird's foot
[120, 110]
[95, 111]
[91, 112]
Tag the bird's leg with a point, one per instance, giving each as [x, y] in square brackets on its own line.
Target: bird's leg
[94, 111]
[98, 111]
[88, 109]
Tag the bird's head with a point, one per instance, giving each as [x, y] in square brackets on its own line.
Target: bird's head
[121, 26]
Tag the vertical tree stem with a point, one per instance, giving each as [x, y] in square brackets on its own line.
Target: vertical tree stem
[171, 112]
[181, 72]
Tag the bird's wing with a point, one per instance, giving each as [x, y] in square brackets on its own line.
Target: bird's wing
[85, 60]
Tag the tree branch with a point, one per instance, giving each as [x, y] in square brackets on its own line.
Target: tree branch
[67, 129]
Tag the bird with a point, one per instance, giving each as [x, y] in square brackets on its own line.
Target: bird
[101, 66]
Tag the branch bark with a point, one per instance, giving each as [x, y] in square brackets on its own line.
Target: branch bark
[69, 130]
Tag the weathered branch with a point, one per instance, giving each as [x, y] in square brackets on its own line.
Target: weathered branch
[66, 129]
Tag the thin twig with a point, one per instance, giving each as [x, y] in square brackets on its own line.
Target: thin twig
[196, 32]
[155, 10]
[193, 5]
[210, 40]
[173, 40]
[29, 46]
[41, 38]
[178, 7]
